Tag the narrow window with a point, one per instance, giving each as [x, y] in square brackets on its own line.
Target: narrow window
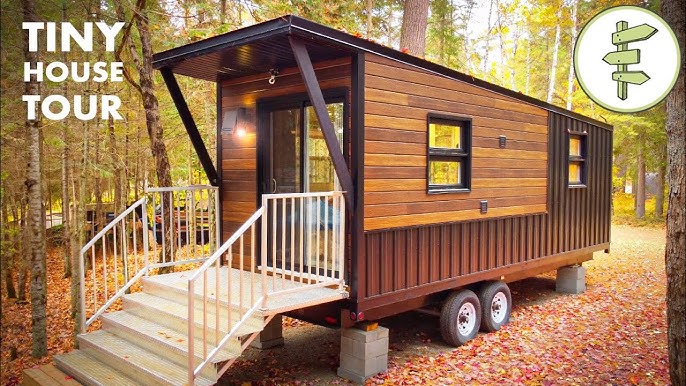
[448, 165]
[577, 159]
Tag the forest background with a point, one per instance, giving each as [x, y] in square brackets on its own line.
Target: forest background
[524, 45]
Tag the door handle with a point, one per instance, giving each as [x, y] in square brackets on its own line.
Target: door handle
[274, 185]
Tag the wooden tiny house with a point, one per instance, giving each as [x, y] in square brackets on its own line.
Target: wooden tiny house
[502, 203]
[354, 182]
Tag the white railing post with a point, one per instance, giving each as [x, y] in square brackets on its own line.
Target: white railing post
[217, 219]
[341, 241]
[82, 285]
[191, 331]
[146, 242]
[263, 250]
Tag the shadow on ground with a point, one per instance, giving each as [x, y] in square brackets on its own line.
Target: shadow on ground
[310, 353]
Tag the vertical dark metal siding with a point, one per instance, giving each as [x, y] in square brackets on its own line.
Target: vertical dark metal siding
[402, 258]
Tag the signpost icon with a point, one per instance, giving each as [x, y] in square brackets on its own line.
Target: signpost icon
[624, 56]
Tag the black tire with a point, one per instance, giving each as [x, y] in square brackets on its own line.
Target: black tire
[460, 317]
[496, 302]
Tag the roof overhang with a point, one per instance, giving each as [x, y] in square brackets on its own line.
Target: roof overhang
[261, 47]
[253, 50]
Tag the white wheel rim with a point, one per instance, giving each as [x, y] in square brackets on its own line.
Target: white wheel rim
[499, 307]
[466, 319]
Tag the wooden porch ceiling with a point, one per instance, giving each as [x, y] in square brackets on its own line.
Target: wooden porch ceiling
[252, 50]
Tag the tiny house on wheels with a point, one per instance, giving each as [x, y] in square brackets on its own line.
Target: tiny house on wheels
[352, 182]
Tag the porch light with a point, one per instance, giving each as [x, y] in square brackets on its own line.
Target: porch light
[272, 75]
[233, 121]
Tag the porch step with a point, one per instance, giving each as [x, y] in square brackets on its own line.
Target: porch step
[90, 371]
[145, 367]
[175, 315]
[164, 341]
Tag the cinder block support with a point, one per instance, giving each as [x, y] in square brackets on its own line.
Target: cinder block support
[363, 353]
[571, 279]
[271, 336]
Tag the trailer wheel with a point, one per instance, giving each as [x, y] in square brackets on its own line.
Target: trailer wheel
[497, 305]
[460, 317]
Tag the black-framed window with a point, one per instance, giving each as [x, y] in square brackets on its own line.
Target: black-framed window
[576, 170]
[448, 154]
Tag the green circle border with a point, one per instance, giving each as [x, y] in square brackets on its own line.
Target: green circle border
[644, 107]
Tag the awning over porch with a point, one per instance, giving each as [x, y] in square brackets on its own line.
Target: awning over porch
[254, 50]
[261, 49]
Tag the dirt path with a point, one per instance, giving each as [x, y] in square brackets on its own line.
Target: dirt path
[614, 333]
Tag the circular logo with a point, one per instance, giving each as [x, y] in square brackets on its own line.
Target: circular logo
[626, 59]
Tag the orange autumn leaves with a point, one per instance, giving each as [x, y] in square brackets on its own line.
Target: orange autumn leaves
[614, 333]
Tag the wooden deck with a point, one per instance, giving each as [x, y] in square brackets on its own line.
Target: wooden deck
[47, 375]
[243, 288]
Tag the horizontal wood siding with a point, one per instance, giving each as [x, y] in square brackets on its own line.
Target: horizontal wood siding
[410, 262]
[239, 155]
[397, 100]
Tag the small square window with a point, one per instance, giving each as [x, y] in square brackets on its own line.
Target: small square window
[574, 146]
[445, 136]
[575, 173]
[448, 154]
[576, 164]
[446, 173]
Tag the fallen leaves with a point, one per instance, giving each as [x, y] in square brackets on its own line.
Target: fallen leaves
[614, 333]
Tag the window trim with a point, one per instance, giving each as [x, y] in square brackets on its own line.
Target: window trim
[580, 160]
[463, 155]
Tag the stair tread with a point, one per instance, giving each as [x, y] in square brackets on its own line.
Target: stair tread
[138, 357]
[180, 311]
[164, 335]
[91, 371]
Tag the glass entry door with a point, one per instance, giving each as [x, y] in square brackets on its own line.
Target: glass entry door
[298, 161]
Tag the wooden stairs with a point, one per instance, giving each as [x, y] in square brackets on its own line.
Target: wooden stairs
[146, 343]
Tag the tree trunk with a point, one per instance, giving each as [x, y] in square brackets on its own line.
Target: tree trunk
[674, 12]
[8, 252]
[369, 8]
[527, 81]
[468, 9]
[66, 240]
[146, 87]
[78, 233]
[119, 204]
[150, 103]
[553, 66]
[660, 195]
[36, 223]
[488, 36]
[641, 180]
[570, 77]
[413, 30]
[501, 45]
[22, 262]
[9, 281]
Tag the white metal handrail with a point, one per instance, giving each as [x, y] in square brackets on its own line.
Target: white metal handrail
[118, 223]
[301, 224]
[194, 234]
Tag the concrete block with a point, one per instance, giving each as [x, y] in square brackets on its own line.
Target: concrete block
[271, 336]
[571, 279]
[371, 349]
[363, 353]
[365, 336]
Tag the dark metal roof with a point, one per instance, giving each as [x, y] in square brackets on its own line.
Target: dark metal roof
[261, 47]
